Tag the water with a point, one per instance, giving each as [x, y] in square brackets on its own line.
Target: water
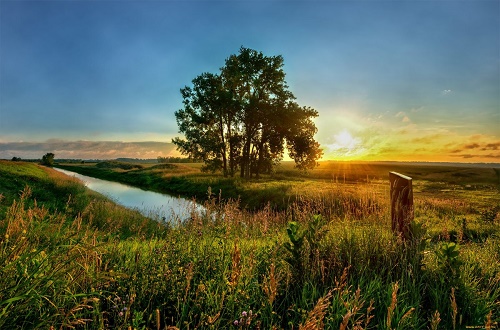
[151, 204]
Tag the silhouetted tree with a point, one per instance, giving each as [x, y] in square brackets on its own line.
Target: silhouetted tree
[244, 117]
[48, 159]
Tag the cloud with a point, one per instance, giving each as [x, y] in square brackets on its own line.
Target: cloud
[87, 149]
[403, 115]
[471, 146]
[478, 149]
[491, 146]
[417, 109]
[469, 156]
[446, 92]
[429, 139]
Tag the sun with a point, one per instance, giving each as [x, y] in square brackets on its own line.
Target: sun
[344, 145]
[345, 140]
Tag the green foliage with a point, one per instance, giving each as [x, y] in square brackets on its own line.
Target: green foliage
[48, 159]
[243, 117]
[448, 257]
[303, 256]
[295, 247]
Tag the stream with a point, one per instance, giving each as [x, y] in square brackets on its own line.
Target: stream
[149, 203]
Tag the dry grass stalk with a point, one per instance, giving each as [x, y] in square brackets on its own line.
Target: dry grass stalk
[369, 310]
[211, 320]
[70, 319]
[435, 320]
[270, 285]
[345, 320]
[392, 307]
[341, 285]
[189, 277]
[454, 308]
[235, 266]
[315, 317]
[157, 314]
[361, 322]
[406, 316]
[489, 323]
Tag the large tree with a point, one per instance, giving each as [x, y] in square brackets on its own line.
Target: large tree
[245, 117]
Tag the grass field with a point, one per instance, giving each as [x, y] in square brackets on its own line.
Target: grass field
[288, 251]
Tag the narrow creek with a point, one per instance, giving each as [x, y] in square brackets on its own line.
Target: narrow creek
[151, 204]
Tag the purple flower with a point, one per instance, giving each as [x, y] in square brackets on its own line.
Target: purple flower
[236, 322]
[244, 314]
[120, 314]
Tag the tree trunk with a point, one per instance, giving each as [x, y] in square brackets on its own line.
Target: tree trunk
[260, 159]
[224, 147]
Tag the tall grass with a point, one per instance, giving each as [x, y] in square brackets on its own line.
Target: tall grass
[328, 261]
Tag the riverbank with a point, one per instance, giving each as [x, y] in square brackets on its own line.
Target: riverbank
[287, 185]
[70, 258]
[188, 182]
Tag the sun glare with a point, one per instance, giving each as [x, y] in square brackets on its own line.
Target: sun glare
[344, 145]
[345, 140]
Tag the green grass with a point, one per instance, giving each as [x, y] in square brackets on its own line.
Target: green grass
[77, 260]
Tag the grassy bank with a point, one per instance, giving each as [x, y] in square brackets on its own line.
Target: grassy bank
[287, 184]
[76, 260]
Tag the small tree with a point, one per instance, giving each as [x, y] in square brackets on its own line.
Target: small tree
[48, 159]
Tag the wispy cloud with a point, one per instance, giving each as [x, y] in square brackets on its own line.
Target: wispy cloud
[483, 146]
[87, 149]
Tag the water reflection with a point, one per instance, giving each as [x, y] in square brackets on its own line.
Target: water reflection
[151, 204]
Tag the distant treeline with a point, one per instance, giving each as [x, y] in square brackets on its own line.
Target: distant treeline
[177, 160]
[160, 160]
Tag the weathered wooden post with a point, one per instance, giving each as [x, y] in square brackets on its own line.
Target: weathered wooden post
[401, 204]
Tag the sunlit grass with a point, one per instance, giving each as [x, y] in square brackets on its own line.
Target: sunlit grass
[77, 260]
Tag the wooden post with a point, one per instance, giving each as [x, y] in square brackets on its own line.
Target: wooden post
[401, 204]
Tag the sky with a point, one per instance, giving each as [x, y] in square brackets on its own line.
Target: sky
[391, 80]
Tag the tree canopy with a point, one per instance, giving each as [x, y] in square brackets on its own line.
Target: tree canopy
[244, 118]
[48, 159]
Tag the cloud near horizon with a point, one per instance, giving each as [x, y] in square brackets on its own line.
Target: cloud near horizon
[87, 149]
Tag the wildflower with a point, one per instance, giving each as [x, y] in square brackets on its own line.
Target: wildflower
[244, 314]
[236, 322]
[120, 314]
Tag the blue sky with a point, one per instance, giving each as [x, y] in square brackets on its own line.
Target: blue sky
[391, 80]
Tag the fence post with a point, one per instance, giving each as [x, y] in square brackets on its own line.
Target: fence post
[401, 204]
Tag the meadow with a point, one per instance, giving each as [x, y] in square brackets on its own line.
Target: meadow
[291, 250]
